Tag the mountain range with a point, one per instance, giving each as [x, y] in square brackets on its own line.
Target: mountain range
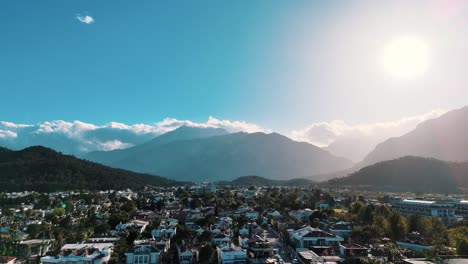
[411, 174]
[208, 154]
[42, 169]
[442, 138]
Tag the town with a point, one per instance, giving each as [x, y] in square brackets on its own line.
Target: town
[215, 223]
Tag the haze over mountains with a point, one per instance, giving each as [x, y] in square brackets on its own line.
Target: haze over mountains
[211, 153]
[443, 138]
[411, 174]
[223, 157]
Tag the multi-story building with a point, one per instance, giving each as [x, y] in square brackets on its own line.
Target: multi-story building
[143, 252]
[444, 210]
[461, 208]
[230, 254]
[309, 237]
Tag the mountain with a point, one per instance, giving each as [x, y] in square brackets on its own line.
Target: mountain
[442, 138]
[412, 174]
[261, 181]
[181, 133]
[226, 157]
[42, 169]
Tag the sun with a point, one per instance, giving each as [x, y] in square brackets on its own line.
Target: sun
[406, 57]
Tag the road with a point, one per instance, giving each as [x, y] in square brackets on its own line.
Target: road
[283, 250]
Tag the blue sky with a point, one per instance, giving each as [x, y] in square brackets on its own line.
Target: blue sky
[279, 64]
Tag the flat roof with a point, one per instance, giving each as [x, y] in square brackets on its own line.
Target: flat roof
[418, 201]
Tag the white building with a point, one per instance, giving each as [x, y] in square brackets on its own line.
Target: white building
[86, 253]
[308, 237]
[187, 255]
[444, 211]
[231, 254]
[143, 252]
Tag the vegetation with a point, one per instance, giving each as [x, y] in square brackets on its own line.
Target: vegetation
[413, 174]
[45, 170]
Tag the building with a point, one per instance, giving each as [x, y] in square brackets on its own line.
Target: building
[415, 242]
[231, 254]
[302, 214]
[187, 255]
[38, 247]
[309, 237]
[256, 245]
[85, 253]
[443, 210]
[461, 208]
[143, 252]
[342, 229]
[7, 259]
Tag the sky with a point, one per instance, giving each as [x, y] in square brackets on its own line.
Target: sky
[282, 66]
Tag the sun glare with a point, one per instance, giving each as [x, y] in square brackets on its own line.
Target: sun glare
[406, 57]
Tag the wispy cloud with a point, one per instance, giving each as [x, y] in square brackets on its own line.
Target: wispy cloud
[85, 19]
[356, 141]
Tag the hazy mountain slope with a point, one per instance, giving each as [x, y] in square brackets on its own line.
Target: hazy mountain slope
[42, 169]
[181, 133]
[414, 174]
[229, 156]
[443, 138]
[261, 181]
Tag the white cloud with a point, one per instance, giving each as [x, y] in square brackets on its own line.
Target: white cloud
[85, 19]
[324, 133]
[4, 134]
[113, 144]
[12, 125]
[355, 141]
[77, 137]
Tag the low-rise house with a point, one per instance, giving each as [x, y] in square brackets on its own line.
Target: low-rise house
[342, 229]
[85, 253]
[301, 214]
[257, 245]
[416, 242]
[187, 255]
[38, 247]
[252, 215]
[221, 238]
[353, 252]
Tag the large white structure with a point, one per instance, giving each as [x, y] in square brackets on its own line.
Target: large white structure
[443, 210]
[85, 253]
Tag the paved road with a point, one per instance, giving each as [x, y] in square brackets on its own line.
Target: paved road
[284, 251]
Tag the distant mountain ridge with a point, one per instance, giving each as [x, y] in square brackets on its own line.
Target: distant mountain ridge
[261, 181]
[42, 169]
[225, 157]
[443, 138]
[411, 174]
[182, 133]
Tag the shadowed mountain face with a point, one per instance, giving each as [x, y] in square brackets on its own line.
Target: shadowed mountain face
[181, 133]
[443, 138]
[413, 174]
[225, 157]
[43, 169]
